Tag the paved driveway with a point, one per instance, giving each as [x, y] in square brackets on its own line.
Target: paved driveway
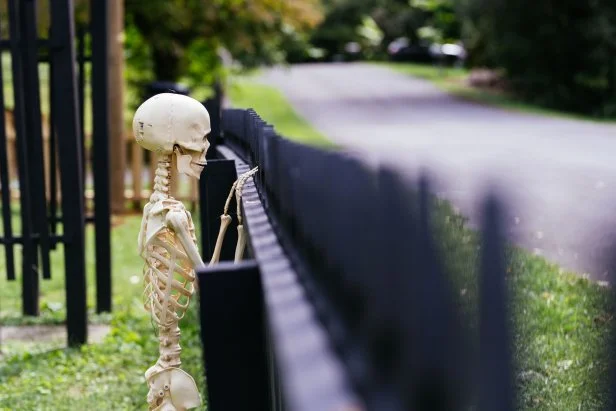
[558, 175]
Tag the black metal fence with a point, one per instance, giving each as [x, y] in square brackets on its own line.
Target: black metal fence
[41, 226]
[344, 300]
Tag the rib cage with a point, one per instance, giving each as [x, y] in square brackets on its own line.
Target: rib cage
[168, 279]
[167, 291]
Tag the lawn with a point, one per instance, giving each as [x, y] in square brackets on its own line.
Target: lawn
[105, 376]
[560, 320]
[453, 81]
[272, 106]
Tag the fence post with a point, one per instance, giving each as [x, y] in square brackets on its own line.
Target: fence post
[68, 128]
[32, 110]
[234, 339]
[30, 281]
[495, 376]
[6, 195]
[81, 88]
[52, 169]
[214, 108]
[100, 146]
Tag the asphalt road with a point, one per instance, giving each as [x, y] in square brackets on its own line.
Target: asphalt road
[558, 176]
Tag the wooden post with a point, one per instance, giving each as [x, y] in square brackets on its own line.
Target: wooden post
[175, 177]
[137, 170]
[153, 165]
[117, 138]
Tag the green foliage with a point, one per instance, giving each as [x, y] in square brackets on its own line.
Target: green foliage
[404, 18]
[559, 56]
[297, 48]
[139, 68]
[340, 25]
[178, 32]
[347, 20]
[441, 20]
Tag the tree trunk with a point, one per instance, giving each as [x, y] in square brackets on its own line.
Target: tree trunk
[117, 136]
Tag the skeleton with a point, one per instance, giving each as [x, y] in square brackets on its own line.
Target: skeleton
[170, 125]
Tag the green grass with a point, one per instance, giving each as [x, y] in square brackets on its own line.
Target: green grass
[274, 108]
[105, 376]
[560, 321]
[125, 264]
[427, 71]
[453, 81]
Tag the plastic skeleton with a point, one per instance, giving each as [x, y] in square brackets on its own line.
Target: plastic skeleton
[171, 125]
[225, 219]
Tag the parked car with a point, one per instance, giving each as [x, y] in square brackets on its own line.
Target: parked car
[449, 53]
[352, 52]
[402, 49]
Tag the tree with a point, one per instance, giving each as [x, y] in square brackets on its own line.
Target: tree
[340, 25]
[431, 20]
[556, 54]
[168, 29]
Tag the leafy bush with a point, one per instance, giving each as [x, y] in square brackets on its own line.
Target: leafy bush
[560, 55]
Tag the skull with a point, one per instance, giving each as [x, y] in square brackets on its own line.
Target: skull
[174, 124]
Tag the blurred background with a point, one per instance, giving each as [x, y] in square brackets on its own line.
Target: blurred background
[521, 93]
[559, 56]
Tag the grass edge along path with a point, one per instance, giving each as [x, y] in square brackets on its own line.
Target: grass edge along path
[560, 321]
[274, 108]
[453, 81]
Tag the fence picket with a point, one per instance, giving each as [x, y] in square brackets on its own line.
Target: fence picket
[495, 385]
